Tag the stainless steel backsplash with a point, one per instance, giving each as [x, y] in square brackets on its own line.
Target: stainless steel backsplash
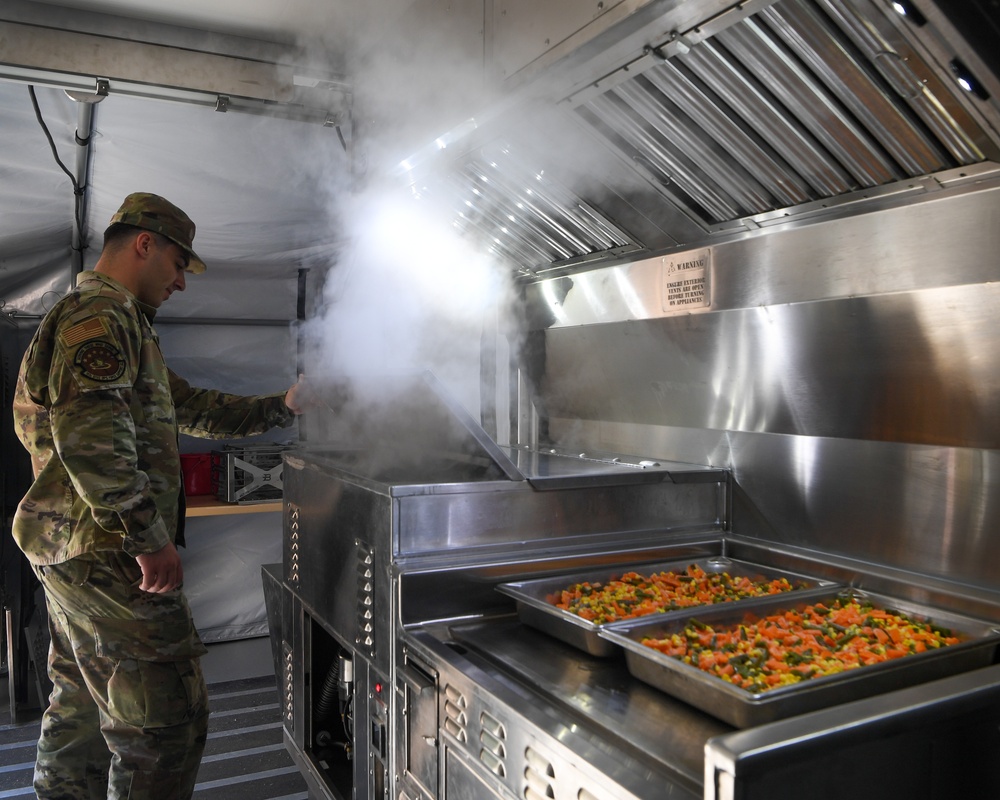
[847, 372]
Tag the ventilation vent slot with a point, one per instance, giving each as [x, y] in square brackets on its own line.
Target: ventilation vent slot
[456, 721]
[288, 686]
[501, 198]
[293, 544]
[366, 599]
[539, 776]
[493, 747]
[802, 101]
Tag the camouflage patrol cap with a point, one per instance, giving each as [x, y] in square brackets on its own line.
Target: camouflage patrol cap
[153, 213]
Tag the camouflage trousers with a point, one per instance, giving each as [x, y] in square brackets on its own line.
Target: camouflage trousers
[128, 713]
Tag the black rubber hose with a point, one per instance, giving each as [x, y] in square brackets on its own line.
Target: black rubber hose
[327, 707]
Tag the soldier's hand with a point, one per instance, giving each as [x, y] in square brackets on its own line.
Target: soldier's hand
[301, 397]
[161, 571]
[306, 394]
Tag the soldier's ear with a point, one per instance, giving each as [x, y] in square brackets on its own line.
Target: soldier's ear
[144, 243]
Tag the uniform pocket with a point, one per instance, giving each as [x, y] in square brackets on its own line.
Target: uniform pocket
[125, 568]
[157, 680]
[75, 572]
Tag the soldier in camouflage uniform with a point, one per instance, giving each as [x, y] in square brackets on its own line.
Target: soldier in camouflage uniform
[99, 412]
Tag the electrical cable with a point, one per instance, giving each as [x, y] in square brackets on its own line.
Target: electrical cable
[77, 189]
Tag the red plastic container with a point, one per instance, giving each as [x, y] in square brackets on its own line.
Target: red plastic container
[197, 470]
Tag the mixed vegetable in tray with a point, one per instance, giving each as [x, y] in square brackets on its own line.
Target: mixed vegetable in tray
[634, 595]
[792, 646]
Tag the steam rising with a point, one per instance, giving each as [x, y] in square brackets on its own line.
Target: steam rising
[407, 293]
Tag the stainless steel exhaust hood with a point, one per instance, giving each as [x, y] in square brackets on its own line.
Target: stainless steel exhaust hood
[752, 116]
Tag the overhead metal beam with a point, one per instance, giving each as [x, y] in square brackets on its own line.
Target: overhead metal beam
[117, 59]
[81, 61]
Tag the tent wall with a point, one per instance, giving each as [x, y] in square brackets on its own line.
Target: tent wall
[260, 190]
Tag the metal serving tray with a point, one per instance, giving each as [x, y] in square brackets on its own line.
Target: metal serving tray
[535, 609]
[745, 709]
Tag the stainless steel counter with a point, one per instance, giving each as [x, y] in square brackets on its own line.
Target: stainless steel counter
[585, 692]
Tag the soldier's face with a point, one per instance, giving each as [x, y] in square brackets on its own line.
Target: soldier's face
[163, 273]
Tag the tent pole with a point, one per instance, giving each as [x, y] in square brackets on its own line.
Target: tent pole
[84, 151]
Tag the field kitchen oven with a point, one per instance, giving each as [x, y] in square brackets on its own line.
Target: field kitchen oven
[756, 257]
[419, 654]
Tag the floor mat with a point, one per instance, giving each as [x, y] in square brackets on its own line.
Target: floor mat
[245, 758]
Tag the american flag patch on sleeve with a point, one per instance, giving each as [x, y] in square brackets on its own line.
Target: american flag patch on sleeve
[88, 329]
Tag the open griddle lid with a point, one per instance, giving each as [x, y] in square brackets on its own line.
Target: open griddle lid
[412, 418]
[409, 429]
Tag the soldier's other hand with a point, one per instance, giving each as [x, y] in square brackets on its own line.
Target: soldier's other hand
[161, 571]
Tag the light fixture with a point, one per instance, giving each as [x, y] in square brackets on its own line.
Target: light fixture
[906, 9]
[967, 80]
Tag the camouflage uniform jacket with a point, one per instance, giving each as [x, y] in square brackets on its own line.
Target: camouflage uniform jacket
[99, 412]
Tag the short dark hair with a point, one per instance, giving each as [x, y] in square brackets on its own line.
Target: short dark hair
[118, 233]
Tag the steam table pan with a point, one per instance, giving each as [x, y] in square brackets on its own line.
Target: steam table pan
[744, 709]
[535, 608]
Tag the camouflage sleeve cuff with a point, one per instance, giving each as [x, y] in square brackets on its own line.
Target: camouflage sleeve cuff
[211, 414]
[282, 415]
[154, 538]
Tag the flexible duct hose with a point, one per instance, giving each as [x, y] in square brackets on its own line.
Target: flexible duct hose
[327, 705]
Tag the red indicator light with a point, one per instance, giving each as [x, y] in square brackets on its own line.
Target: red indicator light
[378, 688]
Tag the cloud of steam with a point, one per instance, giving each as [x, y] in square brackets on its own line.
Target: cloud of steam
[407, 293]
[406, 285]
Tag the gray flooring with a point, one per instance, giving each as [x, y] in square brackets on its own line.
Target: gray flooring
[245, 758]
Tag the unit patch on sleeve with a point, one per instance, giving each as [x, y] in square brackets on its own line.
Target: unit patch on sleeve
[100, 361]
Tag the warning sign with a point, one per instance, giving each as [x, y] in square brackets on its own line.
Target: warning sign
[685, 280]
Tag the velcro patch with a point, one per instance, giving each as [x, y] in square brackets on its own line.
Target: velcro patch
[92, 328]
[100, 361]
